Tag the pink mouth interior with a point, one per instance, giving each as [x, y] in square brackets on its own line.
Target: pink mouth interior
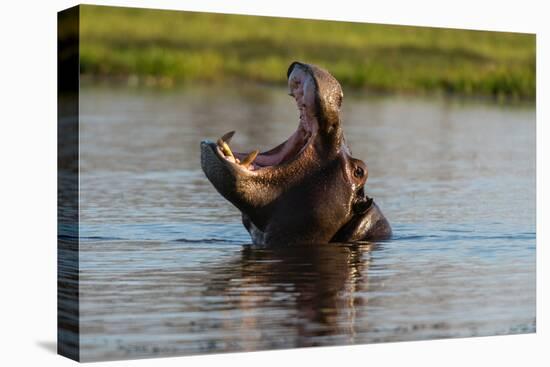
[302, 89]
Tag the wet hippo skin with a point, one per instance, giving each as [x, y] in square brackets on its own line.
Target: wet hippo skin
[308, 189]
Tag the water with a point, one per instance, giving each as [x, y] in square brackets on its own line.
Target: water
[167, 269]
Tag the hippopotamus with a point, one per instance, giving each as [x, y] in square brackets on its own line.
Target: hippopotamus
[308, 189]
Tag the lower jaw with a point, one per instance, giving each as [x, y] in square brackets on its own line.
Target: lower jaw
[298, 143]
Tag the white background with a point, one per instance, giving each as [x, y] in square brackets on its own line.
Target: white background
[28, 181]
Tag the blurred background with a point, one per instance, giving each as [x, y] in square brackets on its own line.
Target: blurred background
[171, 48]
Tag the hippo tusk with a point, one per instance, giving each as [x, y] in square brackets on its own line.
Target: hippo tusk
[249, 159]
[222, 143]
[227, 137]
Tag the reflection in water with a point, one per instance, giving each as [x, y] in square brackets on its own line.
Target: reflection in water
[317, 282]
[162, 267]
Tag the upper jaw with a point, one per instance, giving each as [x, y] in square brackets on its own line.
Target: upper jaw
[321, 92]
[303, 86]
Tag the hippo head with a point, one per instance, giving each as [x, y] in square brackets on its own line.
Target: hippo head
[308, 189]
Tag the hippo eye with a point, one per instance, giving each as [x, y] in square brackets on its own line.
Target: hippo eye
[359, 172]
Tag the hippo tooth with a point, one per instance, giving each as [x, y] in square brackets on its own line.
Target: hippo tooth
[225, 148]
[227, 137]
[249, 158]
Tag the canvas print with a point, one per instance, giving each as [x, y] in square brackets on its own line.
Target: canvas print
[232, 183]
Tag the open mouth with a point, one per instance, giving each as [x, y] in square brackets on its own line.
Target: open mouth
[285, 152]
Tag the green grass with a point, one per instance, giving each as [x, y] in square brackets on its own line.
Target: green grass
[171, 48]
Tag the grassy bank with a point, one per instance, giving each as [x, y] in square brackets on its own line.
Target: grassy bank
[171, 48]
